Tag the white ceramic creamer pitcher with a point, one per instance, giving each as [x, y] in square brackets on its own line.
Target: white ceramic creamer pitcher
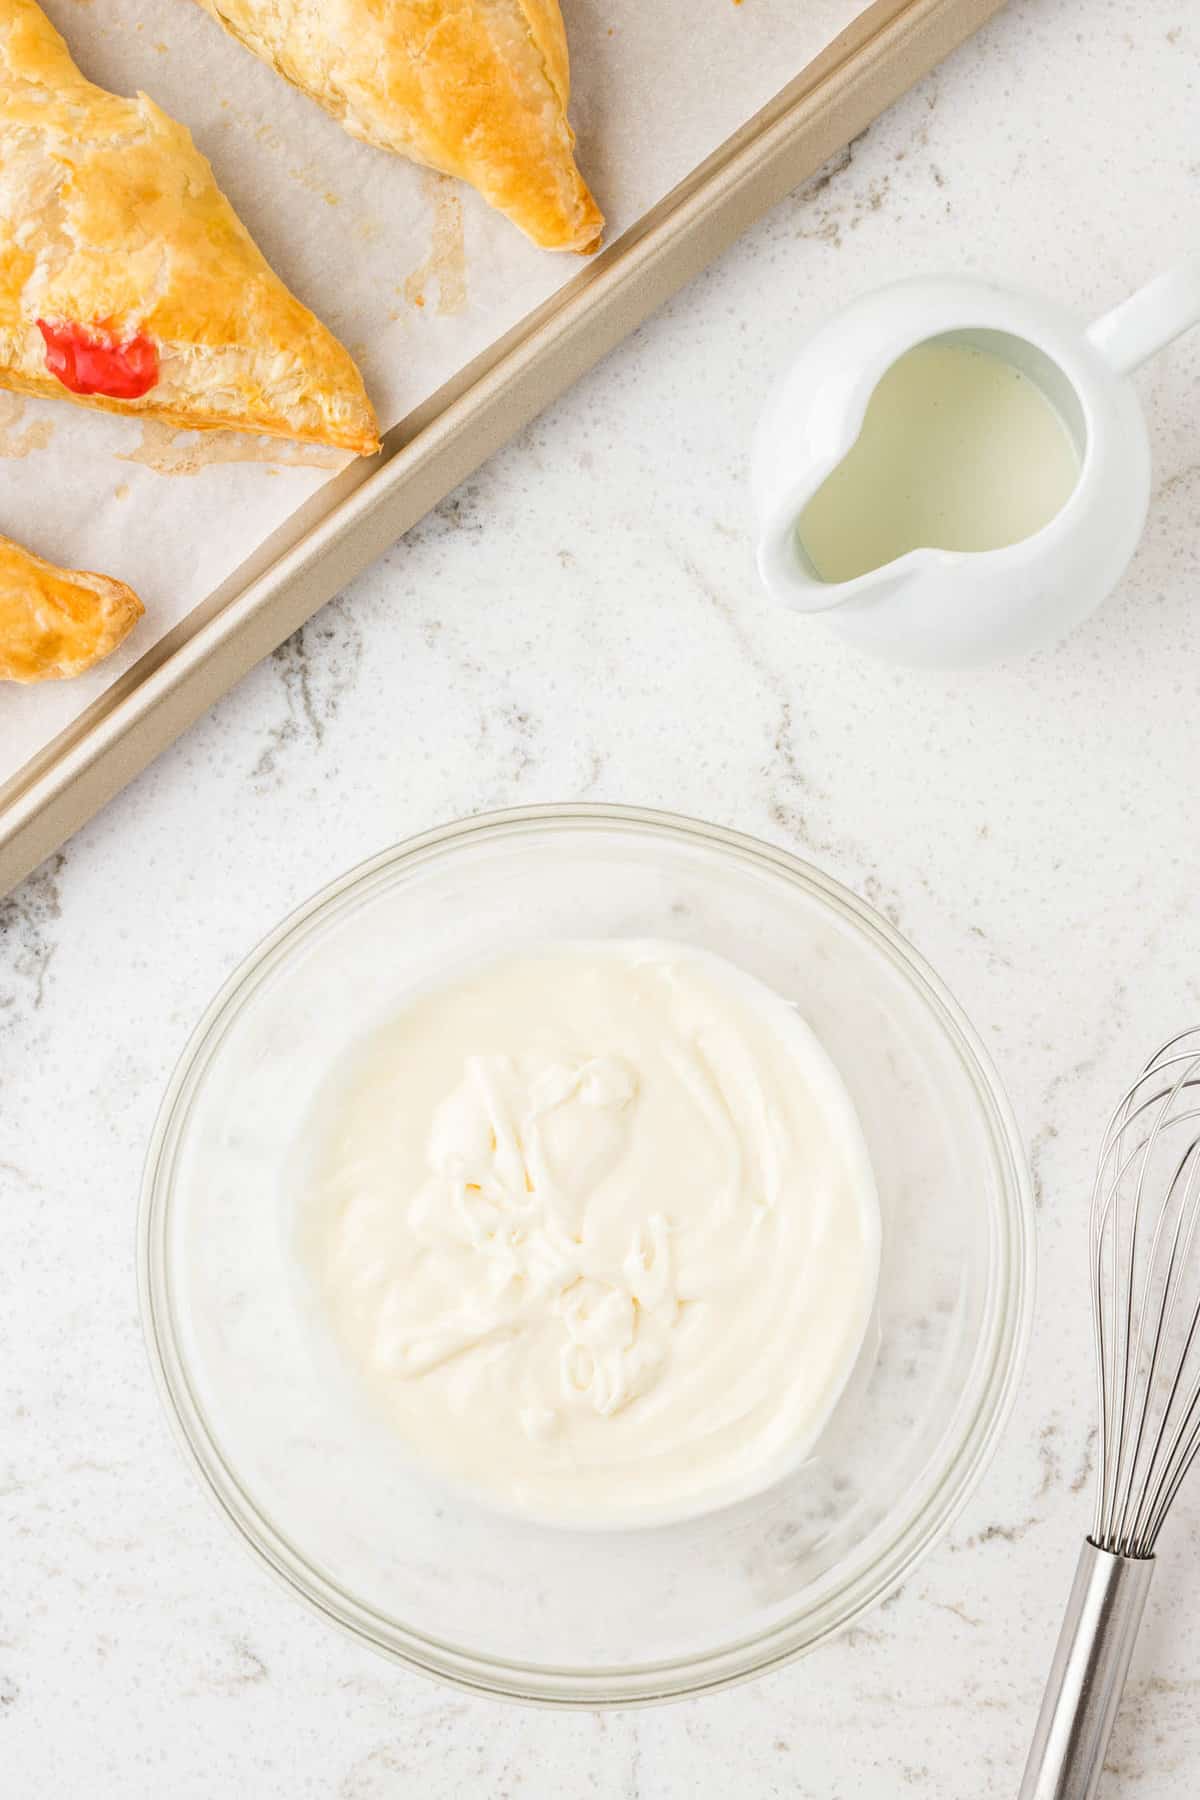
[948, 607]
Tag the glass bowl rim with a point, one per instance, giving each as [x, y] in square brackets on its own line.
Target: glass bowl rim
[910, 1539]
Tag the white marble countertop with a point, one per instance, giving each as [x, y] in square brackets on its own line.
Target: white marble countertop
[581, 619]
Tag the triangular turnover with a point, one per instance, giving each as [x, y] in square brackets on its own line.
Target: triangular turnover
[128, 282]
[473, 88]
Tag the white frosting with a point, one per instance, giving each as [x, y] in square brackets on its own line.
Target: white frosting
[599, 1227]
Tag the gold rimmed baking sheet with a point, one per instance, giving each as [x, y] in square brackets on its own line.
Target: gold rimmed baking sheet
[353, 517]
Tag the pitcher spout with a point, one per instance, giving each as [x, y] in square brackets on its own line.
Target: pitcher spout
[790, 576]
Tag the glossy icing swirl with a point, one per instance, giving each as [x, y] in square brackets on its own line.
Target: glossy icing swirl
[599, 1228]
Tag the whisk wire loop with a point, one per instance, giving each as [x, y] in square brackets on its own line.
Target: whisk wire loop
[1146, 1299]
[1153, 1485]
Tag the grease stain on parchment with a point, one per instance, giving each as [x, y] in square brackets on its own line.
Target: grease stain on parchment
[446, 264]
[16, 441]
[169, 451]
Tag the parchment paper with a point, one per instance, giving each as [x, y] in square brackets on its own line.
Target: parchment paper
[413, 272]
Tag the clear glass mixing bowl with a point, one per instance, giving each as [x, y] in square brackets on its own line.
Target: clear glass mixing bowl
[314, 1479]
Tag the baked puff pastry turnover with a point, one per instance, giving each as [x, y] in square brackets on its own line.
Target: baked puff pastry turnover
[128, 282]
[474, 88]
[57, 622]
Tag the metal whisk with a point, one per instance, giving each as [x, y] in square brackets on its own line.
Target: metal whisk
[1145, 1270]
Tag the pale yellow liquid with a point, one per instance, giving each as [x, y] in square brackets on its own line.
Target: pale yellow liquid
[958, 451]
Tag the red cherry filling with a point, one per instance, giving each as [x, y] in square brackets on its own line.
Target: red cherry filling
[91, 361]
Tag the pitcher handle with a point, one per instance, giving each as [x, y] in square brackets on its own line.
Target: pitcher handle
[1144, 324]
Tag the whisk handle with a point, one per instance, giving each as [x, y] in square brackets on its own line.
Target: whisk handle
[1087, 1675]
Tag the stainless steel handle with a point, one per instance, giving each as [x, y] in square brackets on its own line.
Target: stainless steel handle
[1087, 1675]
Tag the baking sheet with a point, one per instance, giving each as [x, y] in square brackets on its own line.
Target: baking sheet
[414, 273]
